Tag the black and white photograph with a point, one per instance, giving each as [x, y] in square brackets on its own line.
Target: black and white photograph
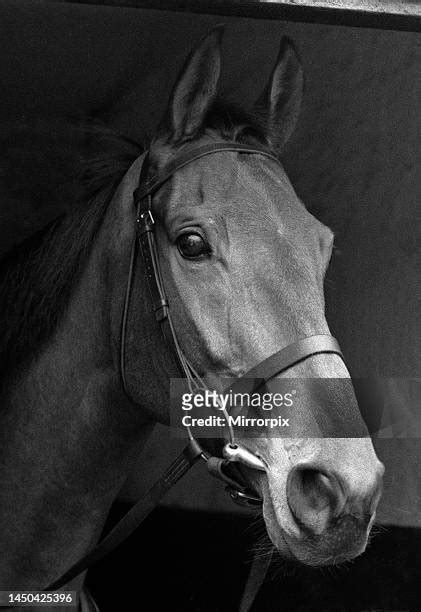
[210, 298]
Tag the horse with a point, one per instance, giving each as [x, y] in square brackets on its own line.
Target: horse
[242, 262]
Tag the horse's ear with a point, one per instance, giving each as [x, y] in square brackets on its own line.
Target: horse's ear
[194, 90]
[280, 101]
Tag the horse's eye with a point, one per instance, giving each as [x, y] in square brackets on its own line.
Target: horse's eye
[192, 246]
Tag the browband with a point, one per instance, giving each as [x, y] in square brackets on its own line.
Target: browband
[190, 155]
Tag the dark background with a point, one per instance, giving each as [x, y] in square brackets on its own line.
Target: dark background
[354, 160]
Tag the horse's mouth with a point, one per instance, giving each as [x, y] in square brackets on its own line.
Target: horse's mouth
[342, 541]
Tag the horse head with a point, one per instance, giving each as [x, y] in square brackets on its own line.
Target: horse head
[243, 263]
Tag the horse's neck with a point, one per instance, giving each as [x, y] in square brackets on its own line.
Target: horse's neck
[68, 436]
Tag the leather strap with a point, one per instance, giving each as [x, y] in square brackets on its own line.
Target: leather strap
[146, 237]
[146, 240]
[291, 355]
[255, 580]
[130, 521]
[190, 155]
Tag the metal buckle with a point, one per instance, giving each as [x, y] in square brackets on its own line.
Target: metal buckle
[146, 221]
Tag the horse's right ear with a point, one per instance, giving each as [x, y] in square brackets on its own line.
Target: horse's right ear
[280, 102]
[194, 90]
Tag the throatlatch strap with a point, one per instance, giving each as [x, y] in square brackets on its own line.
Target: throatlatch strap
[134, 517]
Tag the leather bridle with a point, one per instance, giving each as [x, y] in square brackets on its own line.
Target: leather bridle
[233, 452]
[274, 365]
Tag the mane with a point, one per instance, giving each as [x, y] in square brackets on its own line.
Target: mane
[37, 277]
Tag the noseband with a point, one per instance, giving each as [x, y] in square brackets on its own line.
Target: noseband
[233, 452]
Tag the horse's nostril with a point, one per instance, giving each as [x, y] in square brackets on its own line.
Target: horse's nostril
[314, 497]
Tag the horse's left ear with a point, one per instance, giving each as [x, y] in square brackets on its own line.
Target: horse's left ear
[280, 101]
